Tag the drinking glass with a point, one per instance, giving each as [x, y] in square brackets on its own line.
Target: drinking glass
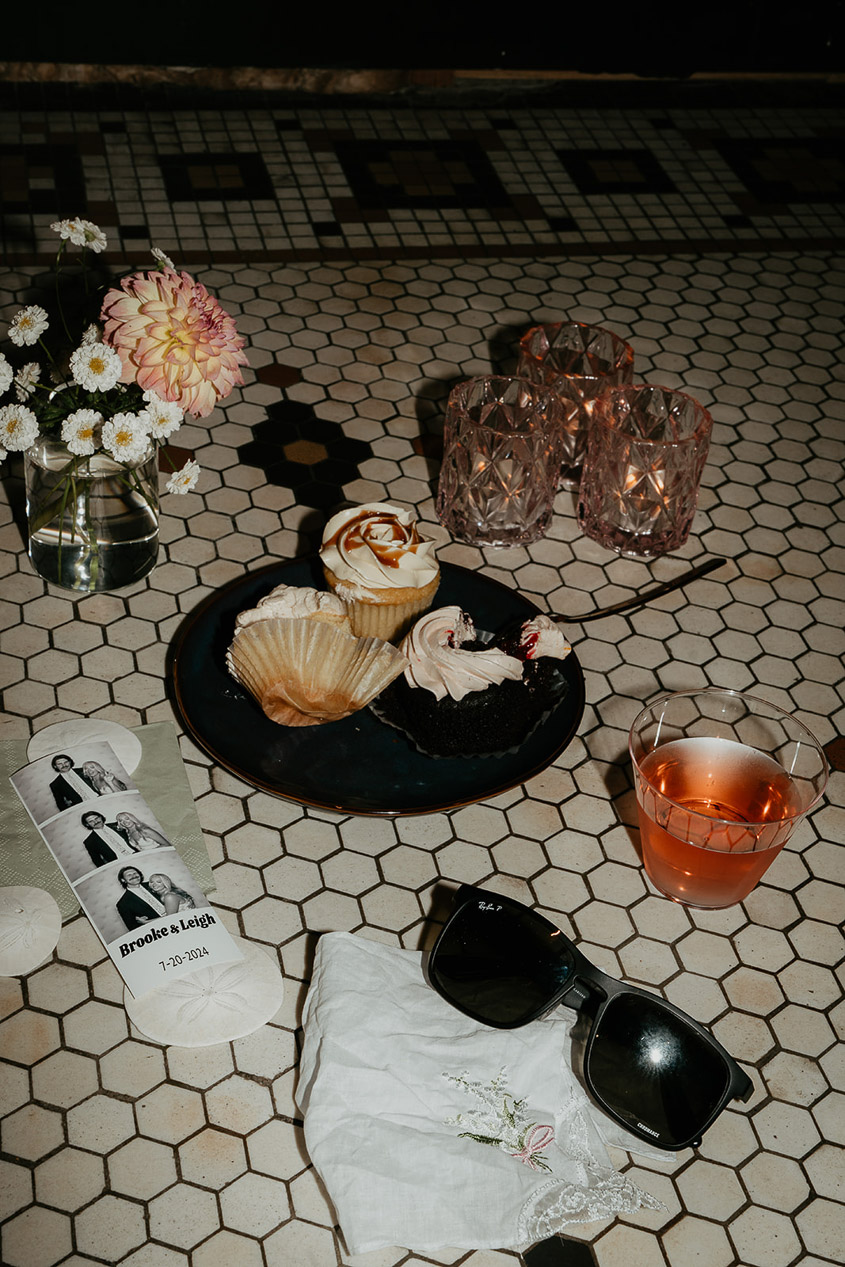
[722, 780]
[579, 362]
[646, 450]
[502, 446]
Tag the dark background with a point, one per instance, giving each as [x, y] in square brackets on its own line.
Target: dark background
[641, 37]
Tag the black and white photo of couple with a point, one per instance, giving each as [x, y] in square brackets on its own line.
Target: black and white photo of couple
[62, 781]
[143, 900]
[128, 834]
[90, 836]
[72, 785]
[121, 899]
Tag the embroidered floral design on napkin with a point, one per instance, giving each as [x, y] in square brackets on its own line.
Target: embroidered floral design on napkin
[503, 1122]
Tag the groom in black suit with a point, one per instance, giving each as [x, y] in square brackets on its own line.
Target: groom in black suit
[64, 793]
[138, 904]
[99, 850]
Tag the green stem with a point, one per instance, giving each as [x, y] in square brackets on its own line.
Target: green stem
[135, 481]
[93, 537]
[47, 351]
[58, 271]
[57, 501]
[168, 459]
[68, 481]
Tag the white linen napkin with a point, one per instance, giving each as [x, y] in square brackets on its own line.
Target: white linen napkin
[431, 1131]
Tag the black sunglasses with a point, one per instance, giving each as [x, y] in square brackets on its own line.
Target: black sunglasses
[648, 1065]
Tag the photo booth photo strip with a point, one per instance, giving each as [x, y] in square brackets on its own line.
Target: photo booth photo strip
[139, 895]
[161, 776]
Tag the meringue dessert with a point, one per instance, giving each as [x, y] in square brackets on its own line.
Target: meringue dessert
[295, 653]
[461, 696]
[376, 560]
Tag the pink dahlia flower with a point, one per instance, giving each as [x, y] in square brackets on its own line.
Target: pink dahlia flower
[174, 339]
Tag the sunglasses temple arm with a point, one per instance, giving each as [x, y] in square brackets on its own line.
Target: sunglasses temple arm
[745, 1088]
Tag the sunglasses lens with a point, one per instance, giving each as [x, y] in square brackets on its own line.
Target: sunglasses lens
[654, 1071]
[497, 966]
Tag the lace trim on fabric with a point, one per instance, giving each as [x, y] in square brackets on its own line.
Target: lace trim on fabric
[506, 1123]
[555, 1204]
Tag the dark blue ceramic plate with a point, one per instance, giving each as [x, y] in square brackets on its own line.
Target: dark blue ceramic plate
[358, 765]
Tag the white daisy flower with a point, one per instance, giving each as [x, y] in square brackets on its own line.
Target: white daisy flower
[3, 455]
[184, 481]
[79, 431]
[125, 436]
[96, 367]
[81, 233]
[164, 261]
[92, 334]
[7, 374]
[165, 416]
[28, 326]
[18, 428]
[68, 230]
[25, 379]
[95, 239]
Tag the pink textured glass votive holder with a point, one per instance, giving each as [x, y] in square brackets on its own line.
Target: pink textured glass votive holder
[502, 444]
[579, 362]
[646, 450]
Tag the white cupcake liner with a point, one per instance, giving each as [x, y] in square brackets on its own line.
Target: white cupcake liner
[305, 672]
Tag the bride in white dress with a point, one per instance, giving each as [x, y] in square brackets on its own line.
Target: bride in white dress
[141, 836]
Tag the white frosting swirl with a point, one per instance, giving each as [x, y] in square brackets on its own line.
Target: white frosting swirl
[437, 663]
[543, 637]
[377, 546]
[293, 602]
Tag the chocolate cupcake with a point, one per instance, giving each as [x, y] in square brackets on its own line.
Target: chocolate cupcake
[462, 696]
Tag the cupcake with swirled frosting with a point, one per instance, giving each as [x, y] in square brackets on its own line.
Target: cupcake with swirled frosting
[462, 696]
[375, 558]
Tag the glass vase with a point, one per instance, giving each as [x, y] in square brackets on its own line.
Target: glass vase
[92, 521]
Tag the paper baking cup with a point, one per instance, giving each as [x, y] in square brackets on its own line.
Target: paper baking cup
[305, 672]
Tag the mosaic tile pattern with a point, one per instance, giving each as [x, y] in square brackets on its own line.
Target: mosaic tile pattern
[114, 1150]
[293, 448]
[267, 180]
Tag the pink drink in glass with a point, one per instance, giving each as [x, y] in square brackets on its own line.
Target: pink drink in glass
[714, 811]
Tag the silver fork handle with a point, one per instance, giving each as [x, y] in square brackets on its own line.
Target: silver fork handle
[659, 590]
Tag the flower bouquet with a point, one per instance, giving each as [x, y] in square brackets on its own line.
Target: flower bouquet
[94, 420]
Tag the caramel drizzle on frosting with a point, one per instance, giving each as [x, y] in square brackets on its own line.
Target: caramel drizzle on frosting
[352, 533]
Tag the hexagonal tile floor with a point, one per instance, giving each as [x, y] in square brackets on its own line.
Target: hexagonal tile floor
[117, 1150]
